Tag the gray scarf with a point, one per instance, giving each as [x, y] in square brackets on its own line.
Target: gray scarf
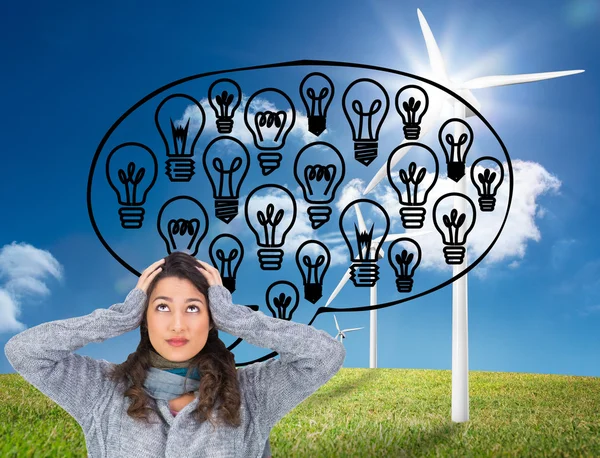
[167, 379]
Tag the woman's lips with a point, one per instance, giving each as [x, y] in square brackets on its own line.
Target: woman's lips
[177, 342]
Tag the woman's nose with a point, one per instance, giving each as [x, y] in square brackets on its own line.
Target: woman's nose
[177, 322]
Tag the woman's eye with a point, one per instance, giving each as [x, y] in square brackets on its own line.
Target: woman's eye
[165, 305]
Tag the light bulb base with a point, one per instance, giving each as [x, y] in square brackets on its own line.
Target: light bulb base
[318, 216]
[316, 124]
[412, 217]
[365, 152]
[487, 203]
[454, 254]
[229, 283]
[226, 209]
[269, 162]
[313, 292]
[364, 274]
[456, 170]
[412, 131]
[131, 217]
[270, 258]
[180, 169]
[404, 284]
[224, 126]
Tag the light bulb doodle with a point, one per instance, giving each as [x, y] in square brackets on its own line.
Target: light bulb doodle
[313, 271]
[365, 116]
[457, 156]
[316, 112]
[170, 224]
[224, 103]
[411, 103]
[279, 303]
[400, 260]
[229, 177]
[180, 165]
[319, 169]
[487, 192]
[455, 228]
[228, 265]
[364, 270]
[269, 225]
[406, 182]
[131, 190]
[270, 127]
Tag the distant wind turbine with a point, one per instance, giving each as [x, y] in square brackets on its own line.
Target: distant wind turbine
[373, 289]
[460, 347]
[342, 334]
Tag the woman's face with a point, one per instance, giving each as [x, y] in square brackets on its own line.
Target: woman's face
[176, 309]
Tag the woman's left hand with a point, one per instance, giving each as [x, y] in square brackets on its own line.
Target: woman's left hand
[211, 274]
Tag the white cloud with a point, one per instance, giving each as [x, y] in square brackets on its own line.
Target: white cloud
[24, 269]
[531, 180]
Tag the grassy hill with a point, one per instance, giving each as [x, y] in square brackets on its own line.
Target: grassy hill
[373, 413]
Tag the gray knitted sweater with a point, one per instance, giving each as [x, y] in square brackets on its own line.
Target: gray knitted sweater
[44, 356]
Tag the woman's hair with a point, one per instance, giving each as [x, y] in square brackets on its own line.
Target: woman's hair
[215, 363]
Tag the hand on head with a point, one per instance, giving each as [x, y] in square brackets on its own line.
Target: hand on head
[149, 274]
[211, 274]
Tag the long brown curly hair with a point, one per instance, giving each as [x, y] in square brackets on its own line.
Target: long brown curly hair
[214, 362]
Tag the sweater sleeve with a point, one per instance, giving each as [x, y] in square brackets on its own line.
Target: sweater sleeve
[308, 358]
[43, 355]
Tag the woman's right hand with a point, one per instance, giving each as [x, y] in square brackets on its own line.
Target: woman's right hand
[148, 275]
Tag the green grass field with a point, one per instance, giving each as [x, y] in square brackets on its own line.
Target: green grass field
[373, 413]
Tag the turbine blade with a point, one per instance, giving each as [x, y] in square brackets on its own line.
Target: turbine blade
[340, 285]
[505, 80]
[336, 323]
[353, 329]
[469, 97]
[435, 56]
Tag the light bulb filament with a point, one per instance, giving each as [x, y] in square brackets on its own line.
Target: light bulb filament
[129, 180]
[403, 261]
[282, 302]
[411, 108]
[180, 137]
[182, 227]
[358, 109]
[265, 221]
[410, 178]
[268, 119]
[455, 146]
[364, 241]
[454, 222]
[312, 268]
[223, 172]
[319, 172]
[224, 100]
[486, 179]
[226, 261]
[313, 98]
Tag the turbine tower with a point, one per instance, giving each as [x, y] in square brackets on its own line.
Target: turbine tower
[460, 346]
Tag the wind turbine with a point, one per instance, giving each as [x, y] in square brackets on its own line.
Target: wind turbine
[373, 289]
[341, 334]
[460, 347]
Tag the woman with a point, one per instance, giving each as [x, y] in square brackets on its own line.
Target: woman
[170, 399]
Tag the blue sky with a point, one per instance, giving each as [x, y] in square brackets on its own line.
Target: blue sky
[70, 71]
